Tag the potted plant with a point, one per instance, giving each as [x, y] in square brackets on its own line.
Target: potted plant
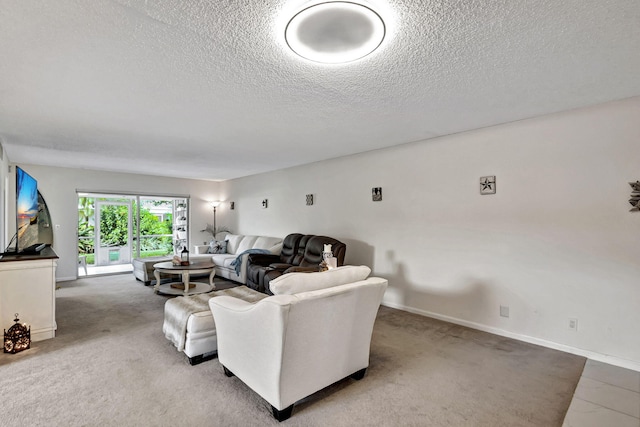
[213, 230]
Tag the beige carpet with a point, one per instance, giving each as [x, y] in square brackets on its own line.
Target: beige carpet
[110, 365]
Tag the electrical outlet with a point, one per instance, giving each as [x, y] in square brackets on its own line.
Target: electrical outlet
[504, 311]
[573, 324]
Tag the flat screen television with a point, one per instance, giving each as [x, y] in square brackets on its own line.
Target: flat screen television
[26, 210]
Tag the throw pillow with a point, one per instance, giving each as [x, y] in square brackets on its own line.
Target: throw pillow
[293, 283]
[217, 247]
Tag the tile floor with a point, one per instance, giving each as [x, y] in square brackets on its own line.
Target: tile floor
[606, 396]
[106, 269]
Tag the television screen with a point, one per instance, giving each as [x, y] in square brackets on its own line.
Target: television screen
[26, 210]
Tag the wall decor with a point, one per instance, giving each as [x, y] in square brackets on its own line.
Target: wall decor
[635, 196]
[376, 194]
[265, 203]
[17, 338]
[232, 205]
[488, 184]
[309, 199]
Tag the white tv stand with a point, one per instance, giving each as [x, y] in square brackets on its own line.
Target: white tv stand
[27, 287]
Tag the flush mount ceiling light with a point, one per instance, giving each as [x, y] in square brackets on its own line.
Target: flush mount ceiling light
[335, 32]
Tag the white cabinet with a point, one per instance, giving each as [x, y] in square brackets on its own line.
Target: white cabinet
[27, 287]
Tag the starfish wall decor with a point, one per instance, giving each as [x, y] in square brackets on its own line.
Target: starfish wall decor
[488, 184]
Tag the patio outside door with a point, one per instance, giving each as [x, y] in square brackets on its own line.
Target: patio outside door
[113, 232]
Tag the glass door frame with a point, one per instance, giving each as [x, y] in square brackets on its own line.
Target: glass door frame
[134, 219]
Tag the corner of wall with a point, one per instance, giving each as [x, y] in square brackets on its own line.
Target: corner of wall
[4, 195]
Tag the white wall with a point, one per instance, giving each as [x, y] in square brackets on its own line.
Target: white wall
[557, 241]
[58, 187]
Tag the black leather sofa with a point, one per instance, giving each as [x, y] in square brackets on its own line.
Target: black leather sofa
[299, 253]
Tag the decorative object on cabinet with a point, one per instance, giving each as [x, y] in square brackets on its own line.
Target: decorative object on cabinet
[376, 194]
[635, 196]
[45, 231]
[488, 184]
[17, 338]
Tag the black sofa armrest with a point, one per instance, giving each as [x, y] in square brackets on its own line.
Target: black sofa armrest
[280, 266]
[262, 259]
[298, 269]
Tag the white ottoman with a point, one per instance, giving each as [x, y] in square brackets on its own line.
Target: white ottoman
[188, 322]
[143, 267]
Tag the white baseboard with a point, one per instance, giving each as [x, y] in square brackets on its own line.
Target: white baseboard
[605, 358]
[43, 333]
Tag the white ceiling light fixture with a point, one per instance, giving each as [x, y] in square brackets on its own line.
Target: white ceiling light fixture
[335, 32]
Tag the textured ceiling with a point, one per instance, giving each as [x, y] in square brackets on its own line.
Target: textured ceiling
[208, 88]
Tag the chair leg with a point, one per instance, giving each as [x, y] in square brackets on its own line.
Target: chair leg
[227, 372]
[282, 415]
[195, 360]
[359, 375]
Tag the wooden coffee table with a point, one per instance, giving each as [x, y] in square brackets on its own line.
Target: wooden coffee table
[185, 287]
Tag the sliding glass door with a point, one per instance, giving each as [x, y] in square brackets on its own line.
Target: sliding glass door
[114, 229]
[154, 227]
[113, 232]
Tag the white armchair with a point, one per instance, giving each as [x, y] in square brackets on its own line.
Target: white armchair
[288, 346]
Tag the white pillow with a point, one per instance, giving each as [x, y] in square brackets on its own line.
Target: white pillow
[293, 283]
